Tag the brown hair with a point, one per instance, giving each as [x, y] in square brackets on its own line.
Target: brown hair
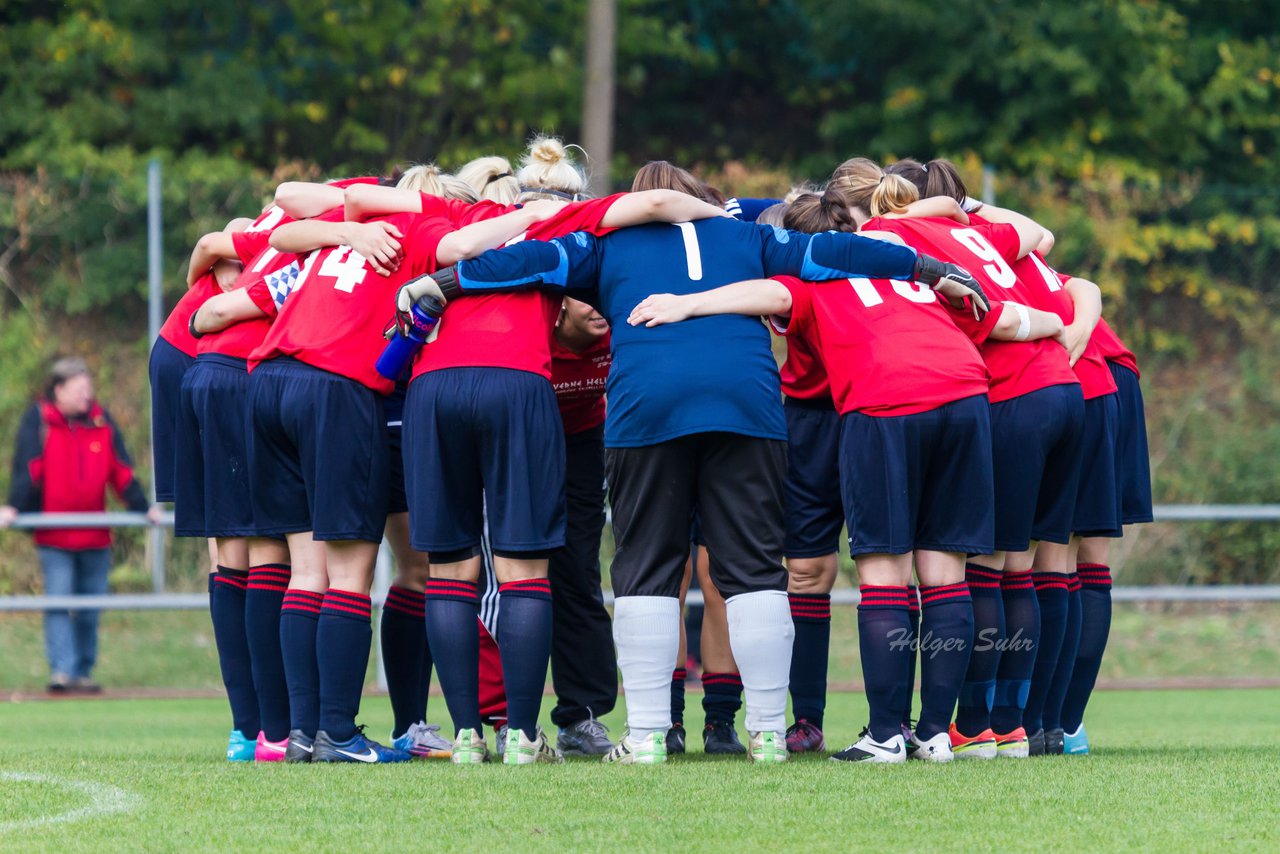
[863, 184]
[61, 371]
[663, 175]
[935, 178]
[814, 213]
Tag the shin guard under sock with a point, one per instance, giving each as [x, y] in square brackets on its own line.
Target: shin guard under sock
[1017, 659]
[811, 614]
[344, 635]
[524, 642]
[946, 642]
[227, 589]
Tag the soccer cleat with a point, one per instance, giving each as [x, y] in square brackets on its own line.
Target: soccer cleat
[521, 750]
[651, 751]
[768, 746]
[300, 748]
[980, 746]
[500, 740]
[239, 747]
[469, 748]
[1013, 745]
[675, 741]
[867, 749]
[269, 751]
[936, 749]
[1075, 743]
[423, 741]
[720, 738]
[358, 748]
[1035, 743]
[585, 738]
[1053, 742]
[804, 737]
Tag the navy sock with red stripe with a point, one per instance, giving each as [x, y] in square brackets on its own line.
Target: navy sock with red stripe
[343, 637]
[1051, 593]
[721, 697]
[405, 657]
[884, 642]
[811, 615]
[1017, 660]
[1095, 629]
[913, 606]
[1051, 717]
[946, 641]
[524, 640]
[299, 615]
[226, 610]
[263, 599]
[973, 714]
[677, 695]
[452, 608]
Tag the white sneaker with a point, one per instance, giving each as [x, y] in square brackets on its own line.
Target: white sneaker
[936, 749]
[768, 747]
[469, 748]
[651, 751]
[424, 741]
[523, 751]
[867, 749]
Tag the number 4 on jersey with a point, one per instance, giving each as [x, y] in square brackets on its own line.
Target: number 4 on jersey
[346, 267]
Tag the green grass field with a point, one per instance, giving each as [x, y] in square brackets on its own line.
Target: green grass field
[1171, 771]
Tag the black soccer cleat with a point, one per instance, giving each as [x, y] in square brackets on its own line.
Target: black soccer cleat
[300, 747]
[1035, 743]
[1053, 739]
[720, 737]
[675, 739]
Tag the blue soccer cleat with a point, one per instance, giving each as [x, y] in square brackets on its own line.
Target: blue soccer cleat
[240, 747]
[358, 748]
[1075, 743]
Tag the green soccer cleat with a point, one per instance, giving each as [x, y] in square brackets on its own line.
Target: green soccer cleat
[523, 751]
[469, 748]
[768, 747]
[651, 751]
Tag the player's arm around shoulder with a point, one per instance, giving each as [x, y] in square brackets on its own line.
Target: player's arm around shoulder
[754, 298]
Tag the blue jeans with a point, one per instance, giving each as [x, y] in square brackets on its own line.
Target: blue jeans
[71, 637]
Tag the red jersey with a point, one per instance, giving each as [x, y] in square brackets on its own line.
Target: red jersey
[579, 381]
[988, 251]
[177, 328]
[508, 330]
[1113, 349]
[334, 317]
[803, 375]
[890, 348]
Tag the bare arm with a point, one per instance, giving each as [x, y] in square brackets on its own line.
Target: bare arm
[939, 206]
[213, 247]
[219, 312]
[1021, 221]
[1038, 324]
[1087, 299]
[472, 240]
[755, 298]
[658, 206]
[378, 242]
[303, 199]
[365, 200]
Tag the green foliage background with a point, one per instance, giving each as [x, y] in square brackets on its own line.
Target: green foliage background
[1143, 132]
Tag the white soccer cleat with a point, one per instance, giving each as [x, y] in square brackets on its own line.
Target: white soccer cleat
[768, 747]
[890, 752]
[936, 749]
[521, 750]
[469, 748]
[651, 750]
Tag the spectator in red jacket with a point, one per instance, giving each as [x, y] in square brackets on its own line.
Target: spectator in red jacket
[68, 452]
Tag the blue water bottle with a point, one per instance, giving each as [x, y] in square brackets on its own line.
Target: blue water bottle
[413, 330]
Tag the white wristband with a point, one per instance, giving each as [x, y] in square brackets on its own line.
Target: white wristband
[1024, 322]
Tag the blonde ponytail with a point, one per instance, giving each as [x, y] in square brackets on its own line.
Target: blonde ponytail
[492, 178]
[428, 178]
[892, 195]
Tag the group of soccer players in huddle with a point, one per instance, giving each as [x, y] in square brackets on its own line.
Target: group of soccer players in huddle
[949, 399]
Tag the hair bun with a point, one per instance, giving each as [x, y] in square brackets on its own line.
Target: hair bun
[547, 149]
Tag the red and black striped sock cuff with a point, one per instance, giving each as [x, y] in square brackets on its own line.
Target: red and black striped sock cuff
[303, 602]
[402, 600]
[272, 577]
[721, 681]
[1073, 582]
[1015, 581]
[1049, 581]
[453, 588]
[1094, 575]
[679, 674]
[344, 603]
[883, 598]
[944, 594]
[913, 598]
[527, 588]
[810, 607]
[237, 578]
[982, 578]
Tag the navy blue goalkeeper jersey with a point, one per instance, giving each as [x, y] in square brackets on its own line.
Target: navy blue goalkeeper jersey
[707, 374]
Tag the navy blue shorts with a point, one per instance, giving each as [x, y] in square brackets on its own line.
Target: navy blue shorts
[212, 486]
[1036, 442]
[484, 437]
[920, 481]
[811, 497]
[393, 411]
[1097, 512]
[166, 368]
[1133, 462]
[318, 453]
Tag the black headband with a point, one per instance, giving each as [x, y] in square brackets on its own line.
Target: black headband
[493, 178]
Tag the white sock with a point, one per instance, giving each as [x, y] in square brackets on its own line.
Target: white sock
[761, 634]
[646, 630]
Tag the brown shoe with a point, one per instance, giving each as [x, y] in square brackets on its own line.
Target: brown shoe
[59, 683]
[85, 685]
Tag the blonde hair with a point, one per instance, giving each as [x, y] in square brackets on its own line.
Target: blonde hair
[428, 178]
[863, 184]
[774, 215]
[546, 172]
[492, 178]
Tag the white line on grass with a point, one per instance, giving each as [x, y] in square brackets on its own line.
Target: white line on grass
[103, 800]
